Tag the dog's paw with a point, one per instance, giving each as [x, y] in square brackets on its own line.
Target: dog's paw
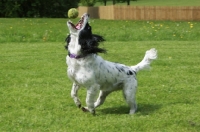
[79, 106]
[85, 109]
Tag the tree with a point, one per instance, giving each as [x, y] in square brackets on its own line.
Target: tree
[88, 2]
[36, 8]
[116, 1]
[113, 2]
[104, 1]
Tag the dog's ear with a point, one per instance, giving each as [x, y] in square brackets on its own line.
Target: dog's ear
[68, 39]
[98, 38]
[89, 46]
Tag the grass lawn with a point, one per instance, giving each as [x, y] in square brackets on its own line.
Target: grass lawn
[156, 3]
[35, 90]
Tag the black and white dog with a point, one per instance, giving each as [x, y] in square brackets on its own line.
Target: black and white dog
[87, 69]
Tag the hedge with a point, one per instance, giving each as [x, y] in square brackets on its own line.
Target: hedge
[36, 8]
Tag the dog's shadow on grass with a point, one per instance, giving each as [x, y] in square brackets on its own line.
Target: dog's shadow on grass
[143, 109]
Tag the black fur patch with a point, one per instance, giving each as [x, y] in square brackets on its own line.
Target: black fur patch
[129, 73]
[89, 42]
[89, 46]
[68, 39]
[120, 69]
[125, 69]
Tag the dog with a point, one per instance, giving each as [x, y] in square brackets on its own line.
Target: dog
[87, 69]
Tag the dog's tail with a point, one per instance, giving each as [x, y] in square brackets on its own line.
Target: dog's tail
[145, 63]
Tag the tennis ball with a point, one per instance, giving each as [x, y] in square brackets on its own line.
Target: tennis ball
[73, 13]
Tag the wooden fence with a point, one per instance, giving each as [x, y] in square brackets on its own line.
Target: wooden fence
[189, 13]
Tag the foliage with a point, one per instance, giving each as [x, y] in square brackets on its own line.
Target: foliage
[37, 8]
[88, 2]
[116, 1]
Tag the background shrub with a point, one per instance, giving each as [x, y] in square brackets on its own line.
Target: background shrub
[88, 2]
[36, 8]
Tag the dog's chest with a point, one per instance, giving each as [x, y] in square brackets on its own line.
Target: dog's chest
[80, 71]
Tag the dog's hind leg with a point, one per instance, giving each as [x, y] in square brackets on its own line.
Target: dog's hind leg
[74, 94]
[101, 98]
[129, 92]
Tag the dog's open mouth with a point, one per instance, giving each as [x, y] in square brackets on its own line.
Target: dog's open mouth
[79, 25]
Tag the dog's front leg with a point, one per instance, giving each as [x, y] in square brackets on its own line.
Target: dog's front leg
[74, 94]
[90, 99]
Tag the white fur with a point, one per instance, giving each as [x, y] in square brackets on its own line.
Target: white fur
[96, 74]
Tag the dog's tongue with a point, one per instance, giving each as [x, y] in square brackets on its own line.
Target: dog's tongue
[78, 26]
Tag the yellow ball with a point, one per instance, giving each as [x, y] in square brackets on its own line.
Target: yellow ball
[73, 13]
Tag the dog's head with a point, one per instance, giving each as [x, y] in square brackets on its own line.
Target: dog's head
[81, 41]
[75, 29]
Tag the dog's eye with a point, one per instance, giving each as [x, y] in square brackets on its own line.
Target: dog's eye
[89, 27]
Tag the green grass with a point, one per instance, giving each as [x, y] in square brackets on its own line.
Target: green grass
[156, 3]
[32, 30]
[55, 30]
[35, 90]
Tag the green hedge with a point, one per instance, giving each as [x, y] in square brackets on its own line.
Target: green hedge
[36, 8]
[88, 2]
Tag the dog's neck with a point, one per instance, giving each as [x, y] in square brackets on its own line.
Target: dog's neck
[74, 56]
[74, 48]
